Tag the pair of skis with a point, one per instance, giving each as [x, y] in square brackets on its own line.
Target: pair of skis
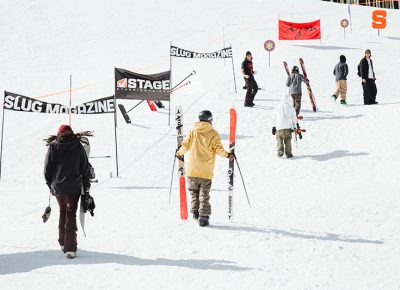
[181, 165]
[307, 81]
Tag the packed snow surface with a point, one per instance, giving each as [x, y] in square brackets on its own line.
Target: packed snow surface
[326, 219]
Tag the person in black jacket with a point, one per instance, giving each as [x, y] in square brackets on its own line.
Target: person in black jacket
[251, 84]
[368, 79]
[66, 169]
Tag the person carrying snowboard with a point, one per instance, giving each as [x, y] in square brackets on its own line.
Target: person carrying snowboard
[203, 143]
[340, 72]
[66, 169]
[251, 84]
[367, 74]
[284, 123]
[294, 81]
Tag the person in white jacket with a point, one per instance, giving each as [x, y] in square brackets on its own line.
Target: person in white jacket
[285, 121]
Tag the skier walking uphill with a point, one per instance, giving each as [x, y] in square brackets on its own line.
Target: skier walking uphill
[251, 84]
[66, 169]
[366, 72]
[284, 123]
[202, 143]
[294, 83]
[341, 71]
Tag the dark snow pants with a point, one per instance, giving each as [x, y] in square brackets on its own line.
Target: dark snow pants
[370, 92]
[252, 89]
[67, 222]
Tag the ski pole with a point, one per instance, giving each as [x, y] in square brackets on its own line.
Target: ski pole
[177, 88]
[241, 175]
[135, 106]
[106, 156]
[172, 178]
[192, 73]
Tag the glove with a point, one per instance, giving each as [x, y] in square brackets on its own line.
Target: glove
[273, 130]
[231, 156]
[180, 157]
[246, 76]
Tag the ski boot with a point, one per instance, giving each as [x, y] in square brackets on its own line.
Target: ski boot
[280, 154]
[289, 155]
[195, 215]
[343, 102]
[203, 221]
[70, 255]
[334, 97]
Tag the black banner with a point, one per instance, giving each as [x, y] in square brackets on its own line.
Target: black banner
[21, 103]
[99, 106]
[180, 52]
[130, 85]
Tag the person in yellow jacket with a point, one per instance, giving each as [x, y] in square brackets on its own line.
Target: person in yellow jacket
[202, 143]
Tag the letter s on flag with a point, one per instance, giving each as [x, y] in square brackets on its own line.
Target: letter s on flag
[379, 19]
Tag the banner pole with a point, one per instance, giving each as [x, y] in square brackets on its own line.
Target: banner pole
[233, 70]
[70, 97]
[115, 134]
[170, 84]
[2, 134]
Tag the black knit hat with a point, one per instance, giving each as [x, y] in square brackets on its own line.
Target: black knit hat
[342, 58]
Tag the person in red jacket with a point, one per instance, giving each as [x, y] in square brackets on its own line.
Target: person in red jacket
[66, 169]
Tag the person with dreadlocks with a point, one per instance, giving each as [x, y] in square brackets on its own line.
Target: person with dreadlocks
[66, 169]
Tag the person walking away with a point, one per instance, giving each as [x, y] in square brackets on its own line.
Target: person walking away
[203, 143]
[66, 169]
[340, 72]
[294, 81]
[284, 123]
[367, 74]
[251, 84]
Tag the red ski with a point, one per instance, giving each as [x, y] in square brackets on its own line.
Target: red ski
[232, 138]
[310, 93]
[181, 166]
[152, 105]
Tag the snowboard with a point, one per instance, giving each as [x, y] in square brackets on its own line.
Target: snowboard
[181, 164]
[159, 104]
[152, 105]
[124, 113]
[232, 137]
[81, 209]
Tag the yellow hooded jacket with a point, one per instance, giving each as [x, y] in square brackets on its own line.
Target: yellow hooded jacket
[202, 142]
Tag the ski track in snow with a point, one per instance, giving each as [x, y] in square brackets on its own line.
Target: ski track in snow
[326, 219]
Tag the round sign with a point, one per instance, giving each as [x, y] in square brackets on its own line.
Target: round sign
[344, 23]
[269, 45]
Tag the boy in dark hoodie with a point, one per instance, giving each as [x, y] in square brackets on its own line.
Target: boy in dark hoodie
[341, 71]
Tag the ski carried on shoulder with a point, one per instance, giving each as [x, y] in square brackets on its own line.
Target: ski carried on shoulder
[181, 164]
[310, 93]
[286, 68]
[232, 139]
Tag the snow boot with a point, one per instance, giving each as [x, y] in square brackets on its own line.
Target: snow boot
[195, 215]
[334, 97]
[290, 155]
[203, 221]
[280, 154]
[343, 102]
[70, 255]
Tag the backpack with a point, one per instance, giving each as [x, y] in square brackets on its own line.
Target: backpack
[359, 68]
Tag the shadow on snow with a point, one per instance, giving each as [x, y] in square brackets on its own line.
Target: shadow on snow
[292, 233]
[332, 155]
[29, 261]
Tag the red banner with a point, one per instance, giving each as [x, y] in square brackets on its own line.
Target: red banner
[299, 31]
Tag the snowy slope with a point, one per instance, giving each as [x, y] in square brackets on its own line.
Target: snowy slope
[326, 219]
